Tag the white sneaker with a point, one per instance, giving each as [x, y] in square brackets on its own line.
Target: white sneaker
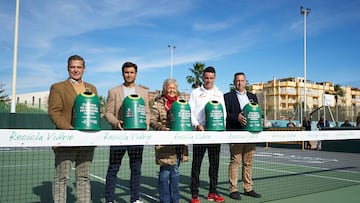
[138, 201]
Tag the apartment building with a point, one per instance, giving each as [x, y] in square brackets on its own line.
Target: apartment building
[283, 98]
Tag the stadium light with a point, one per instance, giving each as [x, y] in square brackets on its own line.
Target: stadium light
[172, 49]
[304, 12]
[13, 95]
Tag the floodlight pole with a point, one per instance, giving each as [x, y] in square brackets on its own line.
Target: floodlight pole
[304, 12]
[172, 49]
[13, 95]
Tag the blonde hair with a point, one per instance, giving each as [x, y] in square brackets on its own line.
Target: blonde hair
[167, 82]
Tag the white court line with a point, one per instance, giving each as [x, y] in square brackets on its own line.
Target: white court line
[260, 168]
[311, 175]
[298, 165]
[124, 187]
[311, 167]
[304, 166]
[16, 165]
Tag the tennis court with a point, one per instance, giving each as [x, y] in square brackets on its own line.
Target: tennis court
[279, 174]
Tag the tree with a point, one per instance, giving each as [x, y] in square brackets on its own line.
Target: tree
[232, 87]
[339, 91]
[196, 79]
[3, 96]
[247, 86]
[102, 105]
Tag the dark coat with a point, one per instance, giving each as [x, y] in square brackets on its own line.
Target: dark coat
[233, 109]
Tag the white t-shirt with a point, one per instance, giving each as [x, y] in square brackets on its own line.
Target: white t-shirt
[199, 98]
[129, 91]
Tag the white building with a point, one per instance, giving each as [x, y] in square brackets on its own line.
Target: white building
[34, 99]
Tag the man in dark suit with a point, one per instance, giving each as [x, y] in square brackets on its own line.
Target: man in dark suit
[235, 102]
[61, 102]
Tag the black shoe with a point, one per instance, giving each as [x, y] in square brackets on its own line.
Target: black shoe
[235, 195]
[252, 193]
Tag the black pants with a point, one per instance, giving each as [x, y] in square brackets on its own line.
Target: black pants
[135, 159]
[198, 155]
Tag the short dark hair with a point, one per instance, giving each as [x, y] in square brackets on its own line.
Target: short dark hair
[209, 69]
[238, 73]
[128, 65]
[76, 58]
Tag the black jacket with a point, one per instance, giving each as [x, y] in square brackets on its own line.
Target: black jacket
[233, 109]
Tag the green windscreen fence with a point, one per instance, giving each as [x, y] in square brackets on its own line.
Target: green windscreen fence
[32, 121]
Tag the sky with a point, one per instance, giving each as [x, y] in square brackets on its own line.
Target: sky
[262, 38]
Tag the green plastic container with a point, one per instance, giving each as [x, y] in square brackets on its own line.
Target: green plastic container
[86, 112]
[134, 114]
[252, 113]
[180, 116]
[214, 116]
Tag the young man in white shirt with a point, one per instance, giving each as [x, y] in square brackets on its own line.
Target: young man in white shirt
[198, 99]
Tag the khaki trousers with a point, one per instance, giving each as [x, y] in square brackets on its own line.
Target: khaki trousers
[241, 153]
[64, 156]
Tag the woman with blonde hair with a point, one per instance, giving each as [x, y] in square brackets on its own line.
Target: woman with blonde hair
[167, 156]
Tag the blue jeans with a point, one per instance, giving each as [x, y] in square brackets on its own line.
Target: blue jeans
[169, 183]
[135, 158]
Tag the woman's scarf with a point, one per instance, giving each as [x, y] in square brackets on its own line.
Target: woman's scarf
[170, 101]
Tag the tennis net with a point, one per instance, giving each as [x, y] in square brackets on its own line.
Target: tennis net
[280, 172]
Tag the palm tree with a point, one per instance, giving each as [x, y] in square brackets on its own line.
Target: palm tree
[196, 79]
[339, 91]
